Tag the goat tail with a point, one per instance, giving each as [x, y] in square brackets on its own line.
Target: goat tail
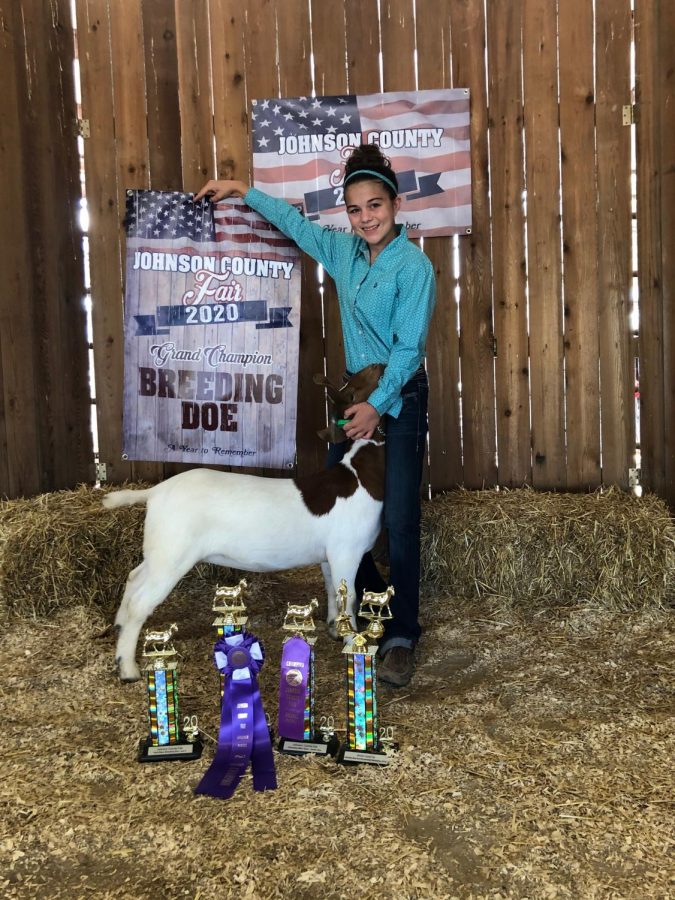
[115, 499]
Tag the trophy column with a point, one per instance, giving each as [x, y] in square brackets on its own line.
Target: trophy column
[297, 731]
[363, 743]
[166, 740]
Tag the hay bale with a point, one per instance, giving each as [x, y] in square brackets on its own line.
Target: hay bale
[64, 549]
[531, 548]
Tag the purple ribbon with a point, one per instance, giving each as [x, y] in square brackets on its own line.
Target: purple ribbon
[293, 684]
[244, 735]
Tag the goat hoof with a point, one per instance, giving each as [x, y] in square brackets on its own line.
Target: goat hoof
[332, 631]
[127, 674]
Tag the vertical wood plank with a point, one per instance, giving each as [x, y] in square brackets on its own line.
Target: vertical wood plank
[163, 112]
[161, 67]
[229, 122]
[667, 155]
[76, 433]
[194, 92]
[230, 116]
[543, 237]
[42, 210]
[261, 55]
[397, 31]
[445, 448]
[43, 347]
[650, 247]
[580, 244]
[93, 35]
[295, 40]
[21, 476]
[467, 25]
[617, 368]
[59, 324]
[131, 135]
[329, 42]
[363, 46]
[397, 34]
[504, 27]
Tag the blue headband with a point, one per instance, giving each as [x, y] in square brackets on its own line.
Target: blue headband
[375, 175]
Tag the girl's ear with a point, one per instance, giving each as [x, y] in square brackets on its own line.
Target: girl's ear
[397, 203]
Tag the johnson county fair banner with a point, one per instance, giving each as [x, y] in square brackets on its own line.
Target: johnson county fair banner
[300, 147]
[212, 312]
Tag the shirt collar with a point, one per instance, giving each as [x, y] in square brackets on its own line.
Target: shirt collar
[401, 237]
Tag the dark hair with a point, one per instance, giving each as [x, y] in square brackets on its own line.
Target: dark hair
[368, 163]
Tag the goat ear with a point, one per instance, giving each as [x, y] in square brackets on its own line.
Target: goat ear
[333, 393]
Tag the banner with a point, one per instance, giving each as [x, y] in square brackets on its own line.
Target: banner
[212, 316]
[300, 147]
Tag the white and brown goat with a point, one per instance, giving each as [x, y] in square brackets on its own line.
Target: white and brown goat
[257, 524]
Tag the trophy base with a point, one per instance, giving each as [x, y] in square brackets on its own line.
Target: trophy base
[316, 746]
[349, 757]
[184, 749]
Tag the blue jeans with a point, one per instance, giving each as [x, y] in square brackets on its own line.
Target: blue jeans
[406, 446]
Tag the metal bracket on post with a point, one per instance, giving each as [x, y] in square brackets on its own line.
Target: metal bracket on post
[101, 473]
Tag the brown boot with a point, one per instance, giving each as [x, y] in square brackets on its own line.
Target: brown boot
[396, 666]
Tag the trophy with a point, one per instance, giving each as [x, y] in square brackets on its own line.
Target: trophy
[297, 731]
[229, 603]
[364, 743]
[166, 740]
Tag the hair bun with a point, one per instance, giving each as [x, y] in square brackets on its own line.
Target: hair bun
[368, 161]
[367, 156]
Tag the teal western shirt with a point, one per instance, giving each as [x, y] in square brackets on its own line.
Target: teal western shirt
[385, 307]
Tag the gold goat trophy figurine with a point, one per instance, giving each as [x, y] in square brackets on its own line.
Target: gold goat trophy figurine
[299, 619]
[158, 646]
[229, 602]
[374, 607]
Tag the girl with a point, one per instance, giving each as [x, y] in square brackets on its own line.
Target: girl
[387, 292]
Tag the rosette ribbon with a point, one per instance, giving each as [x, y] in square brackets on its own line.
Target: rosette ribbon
[244, 736]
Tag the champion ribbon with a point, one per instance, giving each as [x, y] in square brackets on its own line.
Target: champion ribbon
[244, 735]
[293, 687]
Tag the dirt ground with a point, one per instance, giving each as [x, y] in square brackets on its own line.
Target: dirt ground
[536, 761]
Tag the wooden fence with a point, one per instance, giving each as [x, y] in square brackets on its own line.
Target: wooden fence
[532, 353]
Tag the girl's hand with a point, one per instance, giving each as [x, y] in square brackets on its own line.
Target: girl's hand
[219, 190]
[363, 420]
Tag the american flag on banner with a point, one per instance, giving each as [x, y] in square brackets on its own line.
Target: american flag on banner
[212, 314]
[300, 146]
[154, 218]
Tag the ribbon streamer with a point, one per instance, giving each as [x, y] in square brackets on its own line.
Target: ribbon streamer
[243, 734]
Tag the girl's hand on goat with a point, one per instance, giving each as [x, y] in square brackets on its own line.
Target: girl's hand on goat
[363, 420]
[219, 190]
